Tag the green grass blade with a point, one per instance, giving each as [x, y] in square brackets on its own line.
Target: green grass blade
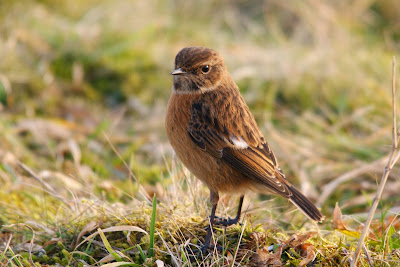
[153, 226]
[141, 252]
[14, 257]
[108, 246]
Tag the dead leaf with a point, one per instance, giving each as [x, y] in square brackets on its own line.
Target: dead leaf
[28, 247]
[264, 258]
[54, 240]
[297, 240]
[107, 258]
[44, 130]
[339, 225]
[307, 251]
[75, 151]
[337, 219]
[41, 226]
[68, 182]
[87, 229]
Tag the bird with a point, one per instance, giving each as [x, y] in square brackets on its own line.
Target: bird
[215, 136]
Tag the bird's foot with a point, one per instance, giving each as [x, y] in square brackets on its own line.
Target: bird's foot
[226, 221]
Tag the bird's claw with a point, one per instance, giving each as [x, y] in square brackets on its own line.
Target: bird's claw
[226, 221]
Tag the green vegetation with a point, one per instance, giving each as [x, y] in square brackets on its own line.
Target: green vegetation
[83, 92]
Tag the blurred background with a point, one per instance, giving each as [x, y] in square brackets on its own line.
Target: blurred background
[84, 87]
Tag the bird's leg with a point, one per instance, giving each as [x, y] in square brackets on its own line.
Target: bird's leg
[214, 197]
[230, 221]
[209, 229]
[239, 211]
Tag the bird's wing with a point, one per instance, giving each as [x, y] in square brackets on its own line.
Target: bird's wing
[238, 149]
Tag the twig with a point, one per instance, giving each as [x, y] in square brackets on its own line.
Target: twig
[367, 255]
[240, 240]
[394, 132]
[394, 156]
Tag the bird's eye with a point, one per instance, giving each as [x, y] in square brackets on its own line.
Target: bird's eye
[205, 69]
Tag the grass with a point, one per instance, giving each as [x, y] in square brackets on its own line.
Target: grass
[83, 92]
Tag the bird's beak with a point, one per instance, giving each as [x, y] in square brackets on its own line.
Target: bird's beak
[178, 71]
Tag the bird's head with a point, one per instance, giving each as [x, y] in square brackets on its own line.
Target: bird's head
[198, 70]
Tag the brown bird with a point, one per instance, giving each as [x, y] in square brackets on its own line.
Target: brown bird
[216, 137]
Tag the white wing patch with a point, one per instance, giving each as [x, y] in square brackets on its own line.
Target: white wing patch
[238, 143]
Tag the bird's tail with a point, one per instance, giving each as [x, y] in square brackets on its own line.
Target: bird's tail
[305, 205]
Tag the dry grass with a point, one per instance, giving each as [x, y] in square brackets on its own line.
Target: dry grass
[83, 91]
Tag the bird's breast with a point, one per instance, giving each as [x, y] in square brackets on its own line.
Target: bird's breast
[215, 173]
